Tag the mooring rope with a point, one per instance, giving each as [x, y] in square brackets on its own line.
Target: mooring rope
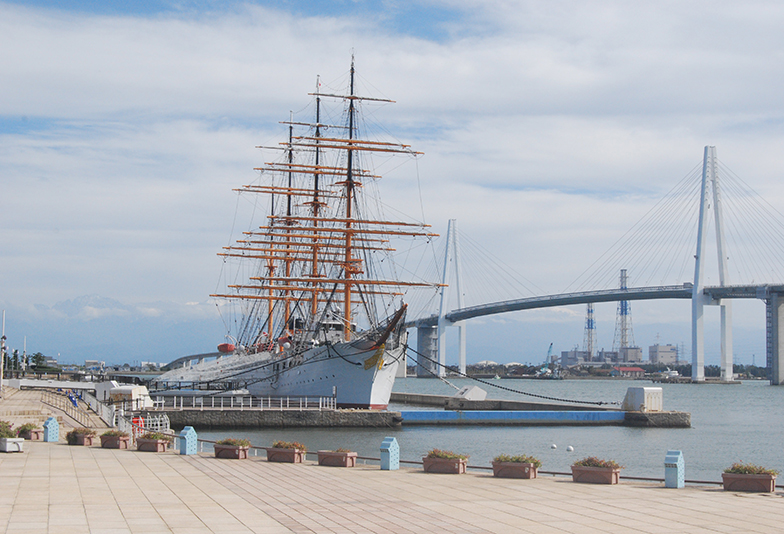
[512, 390]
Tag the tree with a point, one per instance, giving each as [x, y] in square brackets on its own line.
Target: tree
[16, 359]
[38, 360]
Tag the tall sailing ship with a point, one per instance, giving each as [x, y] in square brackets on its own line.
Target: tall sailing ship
[323, 310]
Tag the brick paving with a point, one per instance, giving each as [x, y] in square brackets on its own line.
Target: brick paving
[56, 488]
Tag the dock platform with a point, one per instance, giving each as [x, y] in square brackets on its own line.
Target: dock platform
[54, 488]
[57, 489]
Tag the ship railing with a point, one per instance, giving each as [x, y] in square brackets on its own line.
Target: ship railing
[245, 402]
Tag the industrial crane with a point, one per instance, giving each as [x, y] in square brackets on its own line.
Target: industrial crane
[545, 369]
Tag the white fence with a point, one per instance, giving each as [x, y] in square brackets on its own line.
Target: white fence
[182, 402]
[140, 425]
[107, 413]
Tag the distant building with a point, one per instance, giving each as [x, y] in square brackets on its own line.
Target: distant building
[630, 354]
[663, 354]
[574, 357]
[630, 372]
[607, 356]
[94, 364]
[50, 362]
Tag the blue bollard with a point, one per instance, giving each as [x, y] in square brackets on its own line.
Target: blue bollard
[674, 470]
[188, 441]
[390, 454]
[51, 430]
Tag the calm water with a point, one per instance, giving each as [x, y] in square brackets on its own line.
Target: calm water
[729, 423]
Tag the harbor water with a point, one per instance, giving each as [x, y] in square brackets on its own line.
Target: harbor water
[730, 423]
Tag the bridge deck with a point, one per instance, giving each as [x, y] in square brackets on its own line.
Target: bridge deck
[605, 295]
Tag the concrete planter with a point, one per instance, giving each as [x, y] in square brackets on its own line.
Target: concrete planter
[449, 466]
[337, 459]
[754, 483]
[151, 445]
[595, 475]
[514, 470]
[292, 456]
[116, 442]
[35, 434]
[11, 444]
[84, 439]
[234, 452]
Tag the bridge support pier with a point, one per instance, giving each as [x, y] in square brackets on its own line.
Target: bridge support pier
[774, 308]
[427, 347]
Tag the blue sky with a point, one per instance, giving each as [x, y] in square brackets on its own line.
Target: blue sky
[427, 20]
[548, 130]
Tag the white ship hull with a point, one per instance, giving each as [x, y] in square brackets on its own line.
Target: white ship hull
[358, 377]
[340, 370]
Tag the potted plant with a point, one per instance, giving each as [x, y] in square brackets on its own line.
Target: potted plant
[153, 442]
[440, 461]
[9, 441]
[749, 477]
[521, 466]
[232, 448]
[80, 436]
[30, 431]
[286, 451]
[337, 458]
[115, 439]
[593, 470]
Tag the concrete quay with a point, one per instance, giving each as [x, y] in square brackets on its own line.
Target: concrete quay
[60, 489]
[453, 403]
[56, 488]
[507, 412]
[287, 418]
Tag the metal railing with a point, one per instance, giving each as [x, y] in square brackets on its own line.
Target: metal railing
[107, 413]
[64, 403]
[182, 402]
[139, 425]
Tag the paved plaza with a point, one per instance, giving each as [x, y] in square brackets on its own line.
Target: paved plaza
[61, 489]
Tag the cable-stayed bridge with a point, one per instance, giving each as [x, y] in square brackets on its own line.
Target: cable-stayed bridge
[431, 338]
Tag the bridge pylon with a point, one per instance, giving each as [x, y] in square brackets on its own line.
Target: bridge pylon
[710, 186]
[451, 263]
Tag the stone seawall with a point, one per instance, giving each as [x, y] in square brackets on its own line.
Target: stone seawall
[216, 419]
[658, 419]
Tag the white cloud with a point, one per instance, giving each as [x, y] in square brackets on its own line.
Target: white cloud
[548, 128]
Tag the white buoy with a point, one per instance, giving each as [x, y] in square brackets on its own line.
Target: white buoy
[553, 446]
[569, 449]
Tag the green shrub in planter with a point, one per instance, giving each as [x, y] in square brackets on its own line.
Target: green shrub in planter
[519, 459]
[73, 436]
[593, 461]
[446, 455]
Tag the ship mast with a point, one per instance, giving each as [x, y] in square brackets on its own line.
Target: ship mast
[289, 222]
[315, 206]
[317, 252]
[348, 267]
